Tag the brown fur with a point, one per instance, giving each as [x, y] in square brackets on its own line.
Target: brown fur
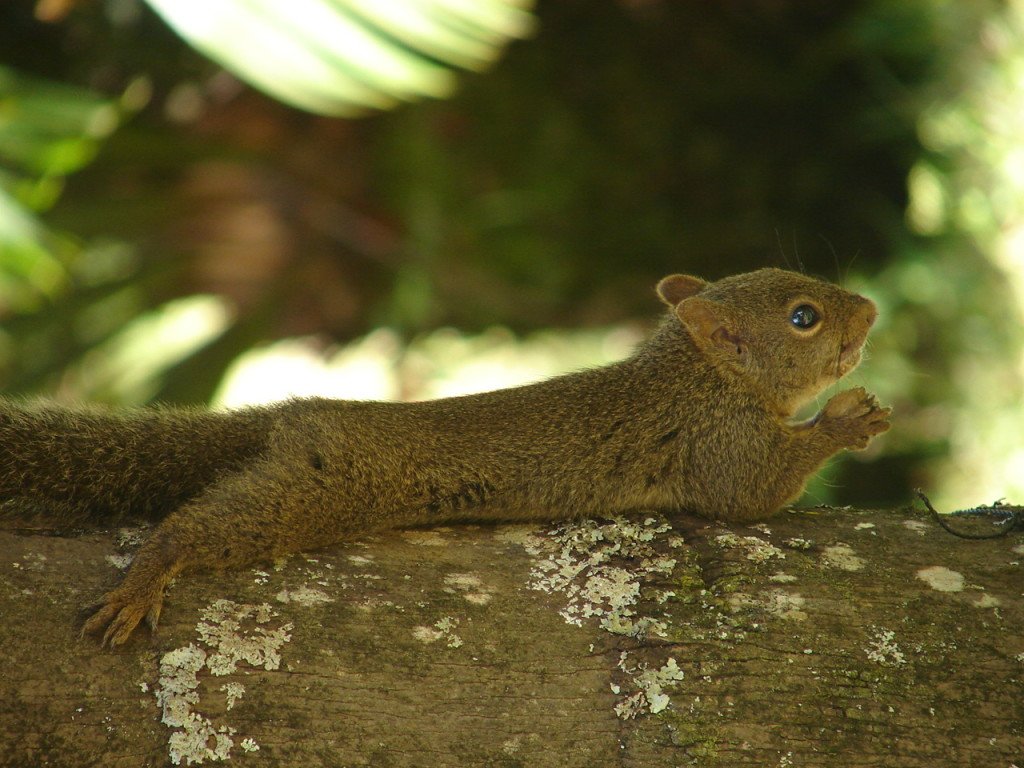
[697, 419]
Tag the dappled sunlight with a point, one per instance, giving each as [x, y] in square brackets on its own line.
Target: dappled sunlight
[127, 367]
[440, 364]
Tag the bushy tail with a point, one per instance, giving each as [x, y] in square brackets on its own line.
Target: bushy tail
[140, 462]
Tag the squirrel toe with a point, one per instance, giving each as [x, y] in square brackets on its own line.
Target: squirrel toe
[121, 613]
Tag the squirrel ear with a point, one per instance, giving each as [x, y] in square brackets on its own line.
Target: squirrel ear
[711, 328]
[675, 288]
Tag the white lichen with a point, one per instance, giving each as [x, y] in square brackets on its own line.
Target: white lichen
[917, 526]
[757, 549]
[842, 557]
[649, 695]
[785, 605]
[443, 629]
[121, 562]
[228, 642]
[129, 538]
[232, 693]
[425, 538]
[941, 579]
[221, 630]
[600, 568]
[198, 743]
[526, 536]
[178, 683]
[470, 586]
[195, 740]
[883, 649]
[776, 602]
[304, 595]
[987, 601]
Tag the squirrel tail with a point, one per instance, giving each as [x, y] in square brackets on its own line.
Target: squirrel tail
[103, 465]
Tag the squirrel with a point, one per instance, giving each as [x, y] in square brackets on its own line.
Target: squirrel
[700, 418]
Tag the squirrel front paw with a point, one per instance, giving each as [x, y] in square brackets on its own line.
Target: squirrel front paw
[853, 417]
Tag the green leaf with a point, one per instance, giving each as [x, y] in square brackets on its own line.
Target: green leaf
[347, 56]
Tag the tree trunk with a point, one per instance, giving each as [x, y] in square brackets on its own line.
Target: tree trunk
[826, 638]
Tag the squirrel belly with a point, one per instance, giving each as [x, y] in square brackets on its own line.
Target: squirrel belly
[698, 419]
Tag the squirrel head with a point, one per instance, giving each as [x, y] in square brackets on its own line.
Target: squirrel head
[789, 336]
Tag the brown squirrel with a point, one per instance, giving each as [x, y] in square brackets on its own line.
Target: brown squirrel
[697, 419]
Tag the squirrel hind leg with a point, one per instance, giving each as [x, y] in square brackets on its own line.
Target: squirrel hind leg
[251, 515]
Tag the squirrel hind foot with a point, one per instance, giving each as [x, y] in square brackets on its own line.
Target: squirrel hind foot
[120, 611]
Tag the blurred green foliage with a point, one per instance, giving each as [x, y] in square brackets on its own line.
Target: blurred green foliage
[627, 140]
[343, 57]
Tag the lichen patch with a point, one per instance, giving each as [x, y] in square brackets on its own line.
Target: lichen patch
[194, 740]
[221, 629]
[941, 579]
[842, 557]
[304, 595]
[121, 562]
[526, 536]
[987, 601]
[785, 605]
[649, 684]
[443, 629]
[232, 693]
[799, 543]
[600, 568]
[757, 549]
[425, 538]
[917, 526]
[232, 634]
[469, 586]
[782, 578]
[883, 649]
[128, 538]
[777, 602]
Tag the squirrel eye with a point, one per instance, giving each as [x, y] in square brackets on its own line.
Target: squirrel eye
[805, 316]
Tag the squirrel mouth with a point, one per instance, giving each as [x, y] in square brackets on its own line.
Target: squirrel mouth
[850, 351]
[849, 356]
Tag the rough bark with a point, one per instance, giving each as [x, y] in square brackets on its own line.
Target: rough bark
[827, 638]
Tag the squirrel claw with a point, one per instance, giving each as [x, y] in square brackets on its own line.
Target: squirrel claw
[120, 615]
[855, 416]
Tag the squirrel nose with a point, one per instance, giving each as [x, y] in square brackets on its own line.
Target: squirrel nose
[868, 311]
